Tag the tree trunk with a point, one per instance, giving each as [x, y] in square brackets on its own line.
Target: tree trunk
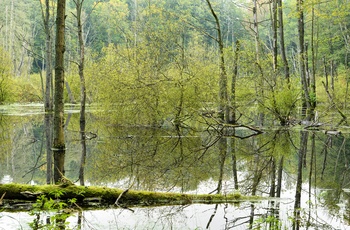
[231, 142]
[232, 118]
[274, 34]
[301, 155]
[108, 196]
[273, 177]
[58, 121]
[279, 177]
[48, 105]
[282, 45]
[48, 138]
[305, 87]
[223, 102]
[260, 86]
[313, 62]
[79, 5]
[48, 52]
[222, 158]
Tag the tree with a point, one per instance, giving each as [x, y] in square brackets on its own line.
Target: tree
[307, 109]
[281, 38]
[45, 11]
[79, 6]
[58, 122]
[48, 105]
[223, 98]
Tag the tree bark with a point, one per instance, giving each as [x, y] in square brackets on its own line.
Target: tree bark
[305, 87]
[79, 5]
[48, 105]
[48, 56]
[282, 45]
[260, 86]
[232, 118]
[279, 177]
[223, 99]
[302, 152]
[274, 34]
[313, 61]
[58, 122]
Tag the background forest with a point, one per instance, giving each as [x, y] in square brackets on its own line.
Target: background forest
[157, 62]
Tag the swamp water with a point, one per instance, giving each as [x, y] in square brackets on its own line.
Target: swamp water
[272, 163]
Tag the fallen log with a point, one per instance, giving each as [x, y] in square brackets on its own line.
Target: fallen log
[93, 196]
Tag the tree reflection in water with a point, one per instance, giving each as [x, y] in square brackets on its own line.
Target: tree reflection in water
[306, 174]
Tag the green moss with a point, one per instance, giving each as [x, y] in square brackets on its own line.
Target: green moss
[110, 195]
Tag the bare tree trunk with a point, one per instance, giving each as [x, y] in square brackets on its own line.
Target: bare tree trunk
[313, 60]
[231, 144]
[282, 45]
[260, 88]
[48, 105]
[274, 34]
[232, 115]
[302, 152]
[306, 96]
[279, 177]
[48, 138]
[222, 157]
[273, 177]
[256, 30]
[313, 150]
[332, 75]
[223, 99]
[59, 148]
[79, 5]
[325, 72]
[48, 55]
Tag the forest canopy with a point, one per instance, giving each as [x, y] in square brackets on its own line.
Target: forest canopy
[182, 62]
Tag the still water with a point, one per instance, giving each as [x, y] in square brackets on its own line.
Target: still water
[305, 172]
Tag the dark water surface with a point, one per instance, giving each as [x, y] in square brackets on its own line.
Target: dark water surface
[306, 172]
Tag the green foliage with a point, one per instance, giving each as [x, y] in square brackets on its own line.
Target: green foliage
[152, 81]
[5, 77]
[269, 222]
[282, 100]
[54, 208]
[57, 193]
[27, 89]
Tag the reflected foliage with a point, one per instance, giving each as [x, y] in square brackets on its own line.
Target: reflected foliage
[179, 159]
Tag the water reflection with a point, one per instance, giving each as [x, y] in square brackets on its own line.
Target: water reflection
[245, 215]
[307, 170]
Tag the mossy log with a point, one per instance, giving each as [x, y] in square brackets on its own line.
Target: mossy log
[85, 195]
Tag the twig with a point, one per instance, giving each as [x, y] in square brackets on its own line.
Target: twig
[32, 169]
[120, 195]
[2, 197]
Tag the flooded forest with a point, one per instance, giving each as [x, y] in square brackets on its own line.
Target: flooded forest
[244, 102]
